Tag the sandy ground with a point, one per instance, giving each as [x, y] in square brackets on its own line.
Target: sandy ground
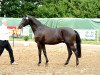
[27, 59]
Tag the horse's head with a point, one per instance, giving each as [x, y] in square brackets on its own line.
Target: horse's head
[29, 20]
[24, 22]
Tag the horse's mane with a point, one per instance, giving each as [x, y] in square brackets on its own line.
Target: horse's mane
[35, 20]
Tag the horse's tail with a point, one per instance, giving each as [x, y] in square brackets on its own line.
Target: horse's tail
[78, 44]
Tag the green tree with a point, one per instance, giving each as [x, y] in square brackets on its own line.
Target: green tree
[51, 8]
[18, 8]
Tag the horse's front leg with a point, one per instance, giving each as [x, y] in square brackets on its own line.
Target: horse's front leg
[39, 52]
[45, 54]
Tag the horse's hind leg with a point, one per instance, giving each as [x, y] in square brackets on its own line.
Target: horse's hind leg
[45, 54]
[69, 53]
[76, 54]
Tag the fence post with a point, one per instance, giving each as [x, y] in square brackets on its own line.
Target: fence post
[97, 35]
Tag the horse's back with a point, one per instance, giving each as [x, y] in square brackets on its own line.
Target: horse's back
[67, 31]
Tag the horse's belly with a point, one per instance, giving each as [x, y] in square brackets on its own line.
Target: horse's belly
[53, 41]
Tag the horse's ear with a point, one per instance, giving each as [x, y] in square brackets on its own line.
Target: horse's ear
[26, 16]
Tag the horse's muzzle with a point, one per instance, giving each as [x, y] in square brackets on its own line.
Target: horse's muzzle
[19, 27]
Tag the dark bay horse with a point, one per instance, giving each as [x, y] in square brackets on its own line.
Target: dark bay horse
[46, 35]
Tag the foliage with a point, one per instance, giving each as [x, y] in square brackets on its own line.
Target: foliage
[26, 38]
[51, 8]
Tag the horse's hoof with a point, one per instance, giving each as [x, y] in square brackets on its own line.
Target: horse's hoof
[65, 63]
[39, 63]
[77, 64]
[47, 62]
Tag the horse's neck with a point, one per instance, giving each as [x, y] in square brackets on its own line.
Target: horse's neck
[35, 25]
[38, 28]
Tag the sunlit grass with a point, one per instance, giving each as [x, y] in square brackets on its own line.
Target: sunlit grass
[90, 42]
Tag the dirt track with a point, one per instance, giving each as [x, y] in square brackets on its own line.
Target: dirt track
[27, 59]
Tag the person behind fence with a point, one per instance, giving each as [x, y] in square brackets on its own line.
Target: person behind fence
[4, 41]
